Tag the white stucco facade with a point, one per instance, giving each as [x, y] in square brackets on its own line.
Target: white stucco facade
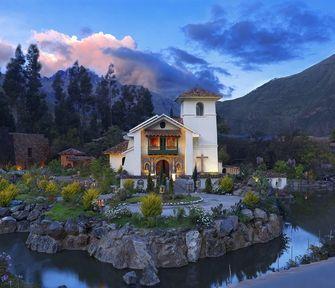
[162, 143]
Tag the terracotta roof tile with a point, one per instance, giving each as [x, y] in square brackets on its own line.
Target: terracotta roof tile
[72, 151]
[198, 93]
[118, 149]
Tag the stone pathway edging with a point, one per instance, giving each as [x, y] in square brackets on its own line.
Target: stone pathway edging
[183, 203]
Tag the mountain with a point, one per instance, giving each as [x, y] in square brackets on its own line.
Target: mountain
[304, 101]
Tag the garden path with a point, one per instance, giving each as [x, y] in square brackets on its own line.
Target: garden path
[210, 200]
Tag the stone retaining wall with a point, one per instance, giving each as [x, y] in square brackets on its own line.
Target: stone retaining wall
[129, 247]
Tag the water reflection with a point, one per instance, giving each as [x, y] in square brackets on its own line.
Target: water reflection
[309, 219]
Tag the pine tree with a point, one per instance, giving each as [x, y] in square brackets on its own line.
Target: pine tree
[150, 184]
[34, 117]
[65, 116]
[6, 117]
[103, 99]
[14, 81]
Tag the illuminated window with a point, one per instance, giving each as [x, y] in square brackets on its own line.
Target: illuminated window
[171, 142]
[200, 109]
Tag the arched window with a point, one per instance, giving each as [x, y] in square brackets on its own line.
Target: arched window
[200, 109]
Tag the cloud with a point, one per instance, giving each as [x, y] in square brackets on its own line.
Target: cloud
[186, 60]
[6, 52]
[59, 51]
[265, 35]
[86, 31]
[132, 66]
[152, 71]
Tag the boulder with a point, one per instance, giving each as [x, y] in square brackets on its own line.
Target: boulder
[4, 211]
[212, 244]
[71, 227]
[260, 214]
[75, 242]
[100, 231]
[247, 213]
[7, 225]
[17, 208]
[193, 244]
[34, 214]
[169, 250]
[55, 229]
[42, 243]
[20, 214]
[127, 251]
[23, 226]
[130, 278]
[225, 226]
[149, 276]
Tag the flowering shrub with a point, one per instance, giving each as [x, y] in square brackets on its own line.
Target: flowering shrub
[118, 212]
[71, 191]
[199, 217]
[151, 205]
[89, 196]
[8, 194]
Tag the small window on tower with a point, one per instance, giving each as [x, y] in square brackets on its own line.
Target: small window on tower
[200, 109]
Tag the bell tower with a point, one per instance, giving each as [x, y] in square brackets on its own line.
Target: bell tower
[198, 111]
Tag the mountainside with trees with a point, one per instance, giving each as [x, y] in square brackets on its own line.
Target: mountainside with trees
[304, 101]
[73, 108]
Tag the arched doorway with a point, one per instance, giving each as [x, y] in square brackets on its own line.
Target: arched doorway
[163, 167]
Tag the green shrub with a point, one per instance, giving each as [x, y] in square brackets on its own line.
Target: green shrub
[208, 185]
[251, 199]
[3, 183]
[51, 188]
[71, 191]
[151, 205]
[42, 184]
[128, 185]
[8, 194]
[226, 184]
[89, 196]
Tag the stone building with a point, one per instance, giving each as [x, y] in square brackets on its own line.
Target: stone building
[23, 150]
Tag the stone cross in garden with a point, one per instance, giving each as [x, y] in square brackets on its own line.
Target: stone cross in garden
[202, 158]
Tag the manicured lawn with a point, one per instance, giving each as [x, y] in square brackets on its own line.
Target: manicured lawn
[160, 222]
[63, 211]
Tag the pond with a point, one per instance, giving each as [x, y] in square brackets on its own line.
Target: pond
[311, 218]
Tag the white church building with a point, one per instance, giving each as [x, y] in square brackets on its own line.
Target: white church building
[172, 146]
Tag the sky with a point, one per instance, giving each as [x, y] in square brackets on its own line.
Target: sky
[227, 46]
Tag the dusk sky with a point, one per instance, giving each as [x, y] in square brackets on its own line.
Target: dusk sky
[226, 46]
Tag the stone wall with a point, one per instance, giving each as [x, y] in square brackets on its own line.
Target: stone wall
[129, 247]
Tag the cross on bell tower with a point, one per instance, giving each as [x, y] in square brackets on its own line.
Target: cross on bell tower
[202, 158]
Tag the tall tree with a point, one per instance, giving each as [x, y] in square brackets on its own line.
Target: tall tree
[14, 81]
[35, 115]
[65, 116]
[103, 99]
[6, 117]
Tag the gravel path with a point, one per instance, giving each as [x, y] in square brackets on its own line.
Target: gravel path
[320, 274]
[210, 200]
